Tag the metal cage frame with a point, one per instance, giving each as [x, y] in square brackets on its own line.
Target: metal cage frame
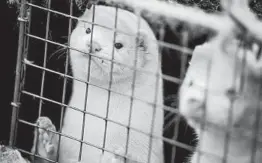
[190, 15]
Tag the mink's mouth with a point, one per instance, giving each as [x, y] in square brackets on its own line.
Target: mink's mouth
[198, 121]
[201, 123]
[194, 122]
[99, 63]
[104, 65]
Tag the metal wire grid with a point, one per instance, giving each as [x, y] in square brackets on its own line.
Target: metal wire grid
[24, 36]
[22, 63]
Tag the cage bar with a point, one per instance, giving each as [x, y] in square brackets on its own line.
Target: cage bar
[176, 11]
[16, 101]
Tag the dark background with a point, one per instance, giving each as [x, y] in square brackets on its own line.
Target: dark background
[53, 84]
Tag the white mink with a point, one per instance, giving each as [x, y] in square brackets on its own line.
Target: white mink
[214, 68]
[146, 87]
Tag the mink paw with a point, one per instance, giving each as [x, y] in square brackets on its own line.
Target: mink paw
[47, 142]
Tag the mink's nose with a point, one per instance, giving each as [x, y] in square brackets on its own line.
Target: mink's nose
[192, 102]
[96, 47]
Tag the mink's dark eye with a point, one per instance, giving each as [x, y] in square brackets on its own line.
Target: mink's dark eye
[190, 83]
[118, 45]
[88, 31]
[231, 93]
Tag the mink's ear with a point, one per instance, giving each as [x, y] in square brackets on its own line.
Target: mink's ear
[86, 4]
[86, 16]
[142, 40]
[89, 11]
[146, 41]
[83, 4]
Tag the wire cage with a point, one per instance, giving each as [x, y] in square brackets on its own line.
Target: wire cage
[156, 11]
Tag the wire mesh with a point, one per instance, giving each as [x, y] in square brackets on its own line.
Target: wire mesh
[179, 13]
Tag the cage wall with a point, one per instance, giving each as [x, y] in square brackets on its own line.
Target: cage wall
[45, 85]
